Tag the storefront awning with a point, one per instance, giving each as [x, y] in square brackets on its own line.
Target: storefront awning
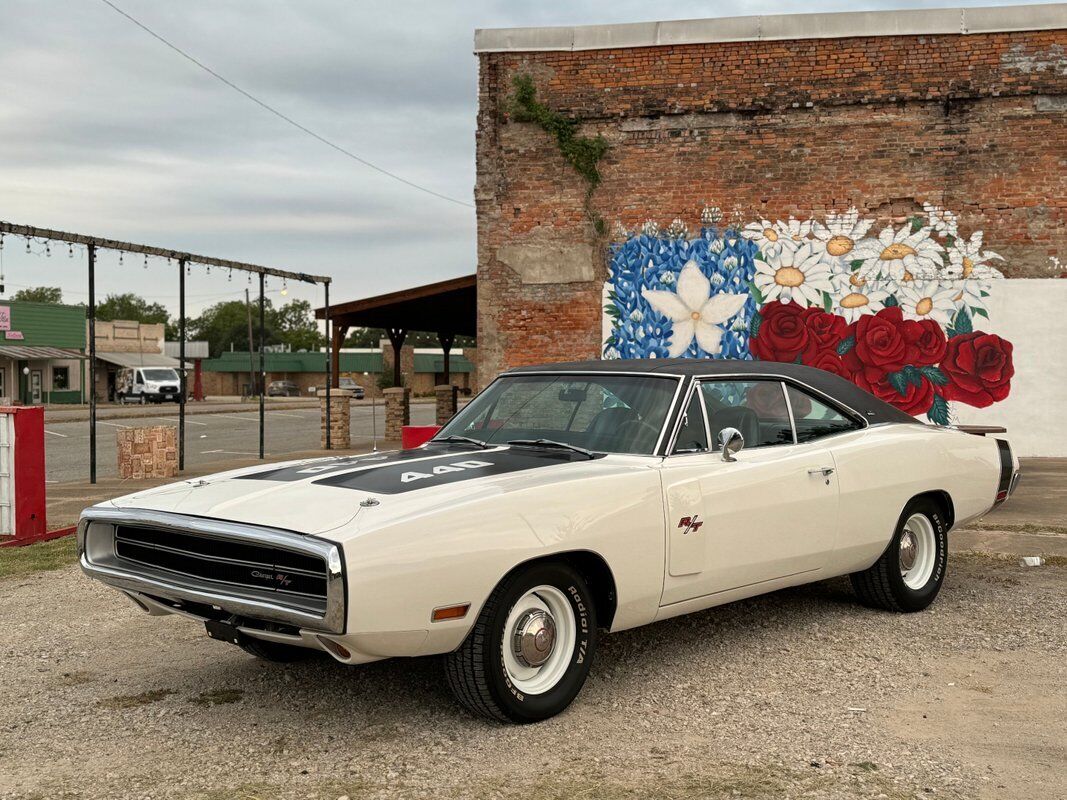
[138, 360]
[36, 353]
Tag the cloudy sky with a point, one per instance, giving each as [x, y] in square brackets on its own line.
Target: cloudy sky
[104, 130]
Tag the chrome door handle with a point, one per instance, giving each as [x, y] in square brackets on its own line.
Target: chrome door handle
[821, 471]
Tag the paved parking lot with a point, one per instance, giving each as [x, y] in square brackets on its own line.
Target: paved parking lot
[210, 438]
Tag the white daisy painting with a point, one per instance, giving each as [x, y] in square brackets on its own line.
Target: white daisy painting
[800, 276]
[901, 255]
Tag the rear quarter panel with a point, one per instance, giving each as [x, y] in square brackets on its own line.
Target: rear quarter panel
[883, 467]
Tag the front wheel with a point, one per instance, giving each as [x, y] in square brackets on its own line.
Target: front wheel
[910, 572]
[530, 651]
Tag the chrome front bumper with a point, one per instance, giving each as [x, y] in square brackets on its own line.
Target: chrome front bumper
[99, 559]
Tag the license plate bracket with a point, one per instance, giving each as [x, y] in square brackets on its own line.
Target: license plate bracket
[223, 631]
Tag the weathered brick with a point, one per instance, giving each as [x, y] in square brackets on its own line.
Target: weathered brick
[974, 123]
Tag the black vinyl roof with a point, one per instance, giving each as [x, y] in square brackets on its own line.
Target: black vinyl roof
[833, 386]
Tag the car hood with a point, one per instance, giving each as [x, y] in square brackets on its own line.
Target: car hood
[325, 496]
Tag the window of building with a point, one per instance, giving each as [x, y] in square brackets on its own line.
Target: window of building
[60, 378]
[814, 418]
[756, 408]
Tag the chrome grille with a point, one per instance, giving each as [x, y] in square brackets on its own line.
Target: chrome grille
[245, 564]
[252, 571]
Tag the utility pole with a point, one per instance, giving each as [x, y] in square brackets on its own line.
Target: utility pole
[251, 362]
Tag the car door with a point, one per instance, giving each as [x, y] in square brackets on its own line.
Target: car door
[769, 514]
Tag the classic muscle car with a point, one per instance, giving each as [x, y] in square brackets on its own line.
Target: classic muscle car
[562, 502]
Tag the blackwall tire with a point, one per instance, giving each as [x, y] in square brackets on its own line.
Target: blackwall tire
[544, 611]
[909, 574]
[277, 652]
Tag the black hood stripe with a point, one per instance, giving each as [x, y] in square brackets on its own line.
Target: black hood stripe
[323, 467]
[398, 478]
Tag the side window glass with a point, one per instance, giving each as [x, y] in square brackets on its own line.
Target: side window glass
[814, 418]
[756, 408]
[692, 437]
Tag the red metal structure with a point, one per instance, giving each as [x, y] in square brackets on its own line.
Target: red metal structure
[411, 436]
[22, 485]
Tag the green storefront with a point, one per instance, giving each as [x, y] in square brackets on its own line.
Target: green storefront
[42, 353]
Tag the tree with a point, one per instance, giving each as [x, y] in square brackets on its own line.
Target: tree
[369, 337]
[132, 307]
[226, 324]
[296, 326]
[39, 294]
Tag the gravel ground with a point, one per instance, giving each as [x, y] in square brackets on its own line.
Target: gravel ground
[798, 694]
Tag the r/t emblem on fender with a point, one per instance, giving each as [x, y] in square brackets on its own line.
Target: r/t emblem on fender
[691, 524]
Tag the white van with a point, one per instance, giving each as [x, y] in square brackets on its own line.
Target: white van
[147, 384]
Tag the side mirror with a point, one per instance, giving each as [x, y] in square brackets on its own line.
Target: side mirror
[731, 441]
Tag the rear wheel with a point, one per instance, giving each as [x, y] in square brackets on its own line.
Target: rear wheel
[530, 651]
[909, 574]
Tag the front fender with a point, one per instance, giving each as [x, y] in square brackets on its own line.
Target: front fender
[399, 571]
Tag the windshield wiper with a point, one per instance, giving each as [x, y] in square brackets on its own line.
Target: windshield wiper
[467, 439]
[553, 443]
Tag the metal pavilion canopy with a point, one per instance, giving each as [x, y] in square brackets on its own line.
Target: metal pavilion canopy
[447, 308]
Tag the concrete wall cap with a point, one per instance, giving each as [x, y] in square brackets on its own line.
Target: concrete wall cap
[904, 22]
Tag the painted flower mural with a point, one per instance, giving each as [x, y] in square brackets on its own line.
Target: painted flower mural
[893, 312]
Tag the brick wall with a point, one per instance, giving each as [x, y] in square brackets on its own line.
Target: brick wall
[972, 123]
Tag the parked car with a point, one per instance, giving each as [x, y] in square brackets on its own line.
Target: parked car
[147, 384]
[561, 503]
[348, 384]
[282, 389]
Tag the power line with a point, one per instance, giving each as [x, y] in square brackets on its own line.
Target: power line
[280, 115]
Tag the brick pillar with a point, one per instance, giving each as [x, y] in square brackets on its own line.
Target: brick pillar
[397, 411]
[340, 417]
[150, 452]
[446, 402]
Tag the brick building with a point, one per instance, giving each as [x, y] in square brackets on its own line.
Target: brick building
[765, 118]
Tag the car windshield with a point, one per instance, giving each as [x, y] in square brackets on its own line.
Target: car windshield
[159, 374]
[605, 413]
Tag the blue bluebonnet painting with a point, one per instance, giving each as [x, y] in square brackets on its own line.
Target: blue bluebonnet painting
[652, 262]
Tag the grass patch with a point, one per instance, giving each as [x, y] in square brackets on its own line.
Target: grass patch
[18, 562]
[124, 701]
[1008, 558]
[217, 697]
[1027, 527]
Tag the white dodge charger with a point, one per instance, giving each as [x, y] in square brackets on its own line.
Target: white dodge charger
[563, 502]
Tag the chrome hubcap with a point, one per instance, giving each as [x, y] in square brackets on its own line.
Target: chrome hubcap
[533, 638]
[907, 550]
[918, 551]
[540, 636]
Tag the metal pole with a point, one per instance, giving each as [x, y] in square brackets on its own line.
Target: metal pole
[92, 363]
[262, 370]
[181, 364]
[373, 427]
[329, 373]
[251, 348]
